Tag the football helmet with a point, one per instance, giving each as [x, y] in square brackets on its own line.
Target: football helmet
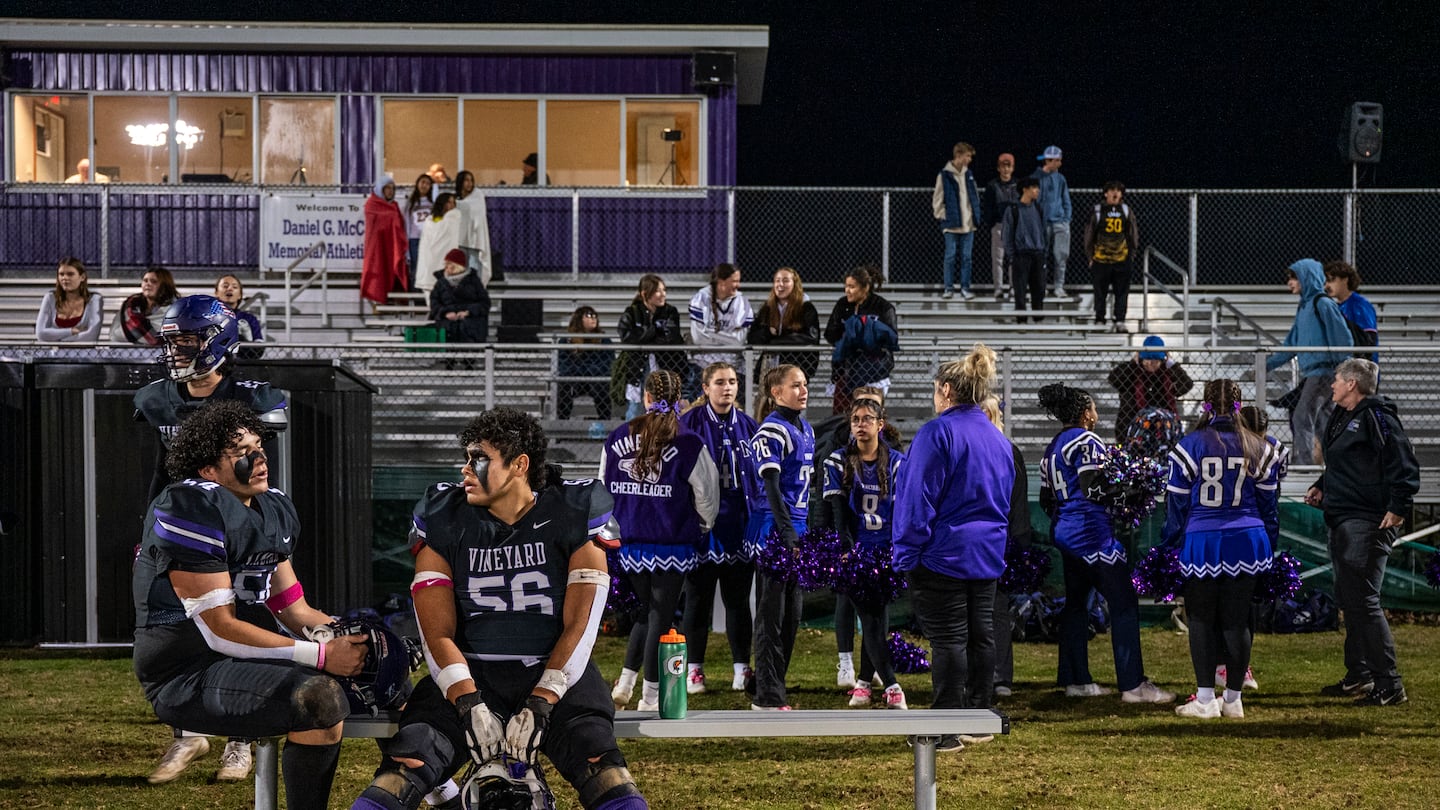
[506, 784]
[199, 334]
[384, 679]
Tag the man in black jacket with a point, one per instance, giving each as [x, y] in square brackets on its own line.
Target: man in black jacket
[1370, 479]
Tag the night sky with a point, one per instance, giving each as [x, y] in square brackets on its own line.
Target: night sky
[875, 94]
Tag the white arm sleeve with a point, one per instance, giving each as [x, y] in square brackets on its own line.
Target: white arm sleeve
[584, 583]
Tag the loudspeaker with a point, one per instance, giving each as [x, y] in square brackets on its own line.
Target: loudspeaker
[521, 320]
[713, 69]
[1363, 144]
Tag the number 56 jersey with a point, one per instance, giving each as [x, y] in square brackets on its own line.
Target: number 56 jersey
[510, 580]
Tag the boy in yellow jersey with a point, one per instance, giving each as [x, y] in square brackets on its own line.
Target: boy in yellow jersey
[1111, 240]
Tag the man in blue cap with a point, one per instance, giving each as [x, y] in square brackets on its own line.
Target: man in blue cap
[1149, 380]
[1055, 205]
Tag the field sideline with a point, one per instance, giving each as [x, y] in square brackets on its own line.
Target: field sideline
[77, 733]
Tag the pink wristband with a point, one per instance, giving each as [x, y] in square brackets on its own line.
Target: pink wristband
[320, 659]
[285, 598]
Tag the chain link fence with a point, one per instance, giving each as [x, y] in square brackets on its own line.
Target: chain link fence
[1218, 236]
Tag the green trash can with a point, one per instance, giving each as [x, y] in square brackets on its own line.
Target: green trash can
[423, 334]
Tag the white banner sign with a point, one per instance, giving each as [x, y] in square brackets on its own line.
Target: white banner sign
[290, 224]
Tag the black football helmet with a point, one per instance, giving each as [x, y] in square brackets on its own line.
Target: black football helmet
[384, 679]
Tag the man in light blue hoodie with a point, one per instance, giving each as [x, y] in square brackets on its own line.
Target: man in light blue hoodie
[1055, 205]
[1318, 322]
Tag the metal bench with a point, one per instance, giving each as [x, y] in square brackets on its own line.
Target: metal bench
[925, 727]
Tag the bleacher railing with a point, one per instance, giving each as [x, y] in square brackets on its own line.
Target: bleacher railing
[1218, 236]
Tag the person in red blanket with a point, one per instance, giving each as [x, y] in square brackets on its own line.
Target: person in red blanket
[384, 268]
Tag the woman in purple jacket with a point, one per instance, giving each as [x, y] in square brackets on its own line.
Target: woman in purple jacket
[952, 507]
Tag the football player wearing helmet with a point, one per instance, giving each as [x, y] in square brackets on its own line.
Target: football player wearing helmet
[509, 587]
[199, 338]
[219, 537]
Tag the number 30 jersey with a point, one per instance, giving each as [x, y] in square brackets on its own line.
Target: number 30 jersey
[510, 580]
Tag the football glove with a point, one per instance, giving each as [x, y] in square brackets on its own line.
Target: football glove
[482, 727]
[526, 730]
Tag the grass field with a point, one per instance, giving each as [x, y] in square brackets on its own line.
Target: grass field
[76, 732]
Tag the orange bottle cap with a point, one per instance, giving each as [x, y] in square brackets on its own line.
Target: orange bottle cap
[672, 637]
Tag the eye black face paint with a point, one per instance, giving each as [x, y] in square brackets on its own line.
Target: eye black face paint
[245, 465]
[478, 462]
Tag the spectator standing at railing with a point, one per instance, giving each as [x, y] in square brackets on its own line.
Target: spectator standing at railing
[475, 227]
[231, 293]
[1001, 194]
[1341, 283]
[648, 321]
[1318, 322]
[139, 318]
[459, 303]
[70, 313]
[720, 316]
[1367, 490]
[383, 268]
[956, 204]
[865, 333]
[417, 213]
[1148, 380]
[1111, 241]
[578, 363]
[1055, 205]
[1023, 233]
[440, 235]
[786, 319]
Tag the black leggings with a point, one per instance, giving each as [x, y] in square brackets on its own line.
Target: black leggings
[1220, 607]
[874, 646]
[735, 580]
[661, 592]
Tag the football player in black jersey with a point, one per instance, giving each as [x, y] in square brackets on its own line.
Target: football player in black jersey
[219, 537]
[510, 582]
[199, 337]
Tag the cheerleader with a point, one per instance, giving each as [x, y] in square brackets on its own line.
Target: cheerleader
[784, 453]
[1222, 512]
[859, 495]
[1072, 492]
[666, 493]
[726, 432]
[952, 508]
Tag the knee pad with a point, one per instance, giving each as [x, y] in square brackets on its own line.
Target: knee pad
[319, 702]
[631, 802]
[422, 742]
[396, 788]
[607, 780]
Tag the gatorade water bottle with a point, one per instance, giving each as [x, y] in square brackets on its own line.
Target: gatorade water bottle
[673, 671]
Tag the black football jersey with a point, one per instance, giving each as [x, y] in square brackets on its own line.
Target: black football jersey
[200, 526]
[166, 404]
[510, 580]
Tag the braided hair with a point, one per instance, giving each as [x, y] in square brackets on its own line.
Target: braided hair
[657, 427]
[1222, 402]
[1064, 403]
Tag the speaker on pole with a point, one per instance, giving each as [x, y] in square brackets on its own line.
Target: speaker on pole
[1364, 141]
[713, 69]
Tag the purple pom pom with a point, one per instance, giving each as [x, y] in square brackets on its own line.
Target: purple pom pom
[1282, 581]
[1132, 483]
[909, 659]
[1025, 569]
[811, 564]
[1432, 571]
[1158, 574]
[865, 574]
[622, 598]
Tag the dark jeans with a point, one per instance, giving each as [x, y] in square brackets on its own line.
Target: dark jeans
[1360, 552]
[1112, 580]
[1004, 623]
[661, 590]
[1218, 610]
[956, 615]
[1027, 273]
[1108, 278]
[735, 580]
[777, 620]
[874, 647]
[844, 624]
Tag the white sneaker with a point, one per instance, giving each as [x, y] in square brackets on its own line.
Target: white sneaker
[1220, 673]
[859, 697]
[895, 697]
[1203, 711]
[967, 295]
[1250, 682]
[1091, 689]
[973, 739]
[1147, 692]
[845, 675]
[1003, 691]
[696, 684]
[642, 706]
[876, 682]
[235, 762]
[182, 752]
[1231, 708]
[1058, 294]
[621, 694]
[738, 684]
